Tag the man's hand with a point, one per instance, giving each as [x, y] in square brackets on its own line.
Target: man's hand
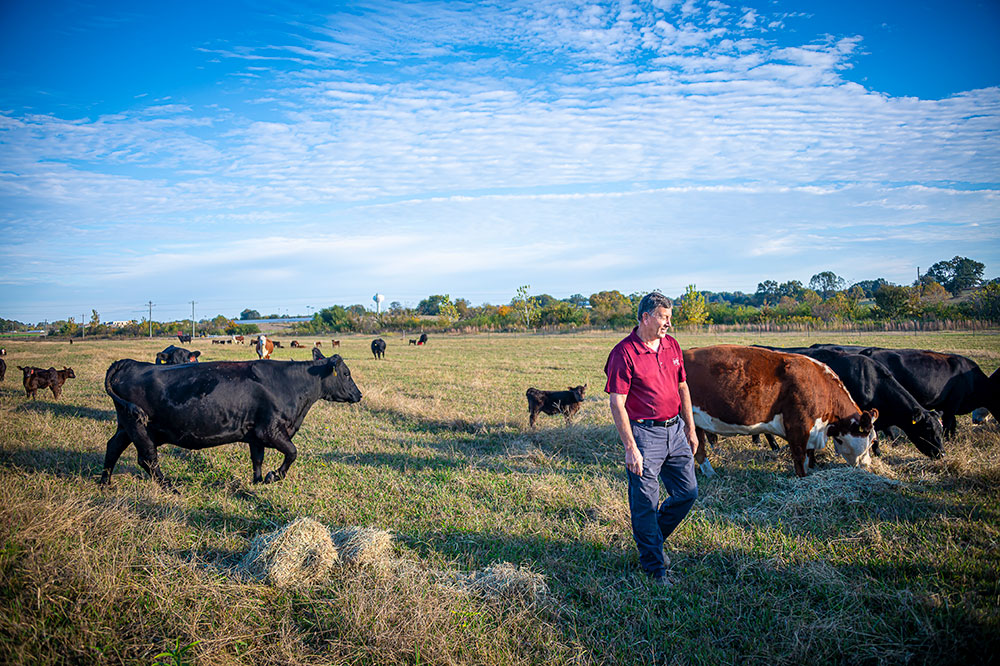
[693, 441]
[633, 460]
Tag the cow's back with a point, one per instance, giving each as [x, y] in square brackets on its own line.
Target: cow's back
[736, 385]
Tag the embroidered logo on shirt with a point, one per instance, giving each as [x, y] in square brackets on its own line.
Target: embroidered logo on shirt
[677, 363]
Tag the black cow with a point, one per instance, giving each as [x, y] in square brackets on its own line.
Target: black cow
[872, 385]
[378, 348]
[566, 403]
[3, 369]
[423, 339]
[949, 383]
[413, 341]
[199, 405]
[176, 355]
[183, 338]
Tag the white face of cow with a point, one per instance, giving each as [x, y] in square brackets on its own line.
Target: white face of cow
[853, 438]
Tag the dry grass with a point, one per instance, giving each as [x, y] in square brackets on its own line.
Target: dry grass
[475, 540]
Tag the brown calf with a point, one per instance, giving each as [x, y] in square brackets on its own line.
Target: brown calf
[40, 378]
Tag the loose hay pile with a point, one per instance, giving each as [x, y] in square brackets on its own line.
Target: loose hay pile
[300, 554]
[820, 492]
[363, 545]
[505, 582]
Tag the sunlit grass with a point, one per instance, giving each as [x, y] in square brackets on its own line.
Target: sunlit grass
[894, 565]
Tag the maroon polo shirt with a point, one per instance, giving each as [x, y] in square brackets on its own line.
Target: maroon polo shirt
[648, 378]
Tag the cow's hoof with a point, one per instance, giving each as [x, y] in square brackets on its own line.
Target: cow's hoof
[271, 477]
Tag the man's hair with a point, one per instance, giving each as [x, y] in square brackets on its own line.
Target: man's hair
[651, 301]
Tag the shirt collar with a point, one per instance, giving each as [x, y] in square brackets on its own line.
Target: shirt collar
[639, 346]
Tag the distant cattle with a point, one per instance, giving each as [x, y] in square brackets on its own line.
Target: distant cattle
[3, 369]
[566, 403]
[747, 390]
[413, 341]
[3, 352]
[318, 344]
[41, 378]
[176, 355]
[335, 343]
[378, 348]
[295, 344]
[263, 347]
[949, 383]
[239, 339]
[183, 338]
[196, 406]
[423, 339]
[218, 342]
[872, 385]
[277, 344]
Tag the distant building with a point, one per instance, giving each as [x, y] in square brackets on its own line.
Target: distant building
[120, 324]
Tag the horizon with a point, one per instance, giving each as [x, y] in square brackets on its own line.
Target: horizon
[242, 156]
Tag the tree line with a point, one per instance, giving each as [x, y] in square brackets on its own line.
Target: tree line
[951, 290]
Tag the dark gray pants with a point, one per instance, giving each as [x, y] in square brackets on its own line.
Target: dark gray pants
[666, 457]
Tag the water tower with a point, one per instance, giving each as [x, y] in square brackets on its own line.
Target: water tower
[378, 298]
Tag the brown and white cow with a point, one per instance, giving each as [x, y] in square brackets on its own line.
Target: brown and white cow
[263, 347]
[739, 390]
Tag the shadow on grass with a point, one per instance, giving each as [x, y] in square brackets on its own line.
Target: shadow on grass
[59, 462]
[66, 409]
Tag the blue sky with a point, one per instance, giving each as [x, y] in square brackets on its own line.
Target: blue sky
[287, 155]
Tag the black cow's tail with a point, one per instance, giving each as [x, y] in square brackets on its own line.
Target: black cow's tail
[132, 409]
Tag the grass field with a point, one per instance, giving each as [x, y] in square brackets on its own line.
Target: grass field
[898, 564]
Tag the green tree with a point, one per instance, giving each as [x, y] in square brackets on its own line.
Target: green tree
[447, 311]
[985, 303]
[869, 287]
[250, 314]
[893, 301]
[431, 305]
[611, 308]
[826, 283]
[524, 304]
[693, 309]
[767, 292]
[957, 274]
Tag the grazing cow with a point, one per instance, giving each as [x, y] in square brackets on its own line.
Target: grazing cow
[263, 347]
[318, 344]
[3, 368]
[747, 390]
[949, 383]
[566, 403]
[40, 378]
[413, 341]
[197, 406]
[277, 344]
[182, 338]
[872, 385]
[335, 343]
[176, 355]
[378, 348]
[240, 339]
[295, 344]
[423, 339]
[3, 351]
[218, 342]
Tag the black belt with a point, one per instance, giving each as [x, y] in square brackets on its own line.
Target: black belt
[662, 424]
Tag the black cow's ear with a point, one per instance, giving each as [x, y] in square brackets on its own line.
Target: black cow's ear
[317, 354]
[917, 417]
[832, 430]
[196, 354]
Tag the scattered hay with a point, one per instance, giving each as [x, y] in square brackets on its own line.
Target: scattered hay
[505, 582]
[819, 492]
[300, 554]
[363, 545]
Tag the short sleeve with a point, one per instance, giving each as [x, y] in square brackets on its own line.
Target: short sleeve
[619, 372]
[681, 374]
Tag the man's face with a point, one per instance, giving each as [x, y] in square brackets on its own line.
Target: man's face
[657, 321]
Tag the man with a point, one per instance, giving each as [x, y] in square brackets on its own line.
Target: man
[651, 407]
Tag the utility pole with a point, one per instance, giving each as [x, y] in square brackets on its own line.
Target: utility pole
[150, 304]
[192, 320]
[83, 328]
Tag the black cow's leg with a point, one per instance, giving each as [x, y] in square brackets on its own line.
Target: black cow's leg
[531, 418]
[950, 424]
[257, 460]
[116, 445]
[284, 445]
[811, 453]
[772, 442]
[149, 461]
